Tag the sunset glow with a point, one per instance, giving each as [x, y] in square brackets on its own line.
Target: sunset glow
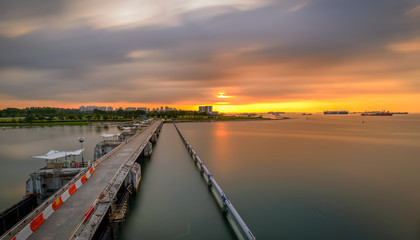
[240, 56]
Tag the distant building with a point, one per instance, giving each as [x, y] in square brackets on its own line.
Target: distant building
[91, 108]
[161, 109]
[110, 109]
[206, 109]
[130, 109]
[142, 109]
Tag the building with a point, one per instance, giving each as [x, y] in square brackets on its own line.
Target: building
[130, 109]
[142, 109]
[206, 109]
[110, 109]
[91, 108]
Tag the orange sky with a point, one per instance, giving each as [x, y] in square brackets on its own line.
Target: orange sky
[262, 55]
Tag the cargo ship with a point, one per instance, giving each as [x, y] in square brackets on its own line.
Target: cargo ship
[383, 113]
[336, 112]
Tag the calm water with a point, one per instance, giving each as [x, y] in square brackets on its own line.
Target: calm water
[17, 145]
[315, 177]
[173, 201]
[325, 177]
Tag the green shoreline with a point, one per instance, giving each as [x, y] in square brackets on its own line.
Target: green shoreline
[43, 124]
[84, 123]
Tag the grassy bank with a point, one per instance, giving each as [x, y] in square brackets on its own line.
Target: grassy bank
[20, 123]
[43, 124]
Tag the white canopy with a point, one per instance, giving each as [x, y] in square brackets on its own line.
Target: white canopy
[54, 154]
[107, 135]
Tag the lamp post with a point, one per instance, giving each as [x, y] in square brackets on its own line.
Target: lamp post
[81, 139]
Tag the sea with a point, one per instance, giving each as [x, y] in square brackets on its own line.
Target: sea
[306, 177]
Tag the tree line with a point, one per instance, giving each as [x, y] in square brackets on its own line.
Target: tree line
[36, 114]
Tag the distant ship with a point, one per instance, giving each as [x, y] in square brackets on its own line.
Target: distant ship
[306, 113]
[336, 112]
[383, 113]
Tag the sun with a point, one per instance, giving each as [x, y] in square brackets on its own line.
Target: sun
[222, 95]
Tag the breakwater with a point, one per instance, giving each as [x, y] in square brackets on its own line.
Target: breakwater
[236, 222]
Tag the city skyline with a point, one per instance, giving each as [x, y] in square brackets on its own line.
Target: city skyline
[238, 56]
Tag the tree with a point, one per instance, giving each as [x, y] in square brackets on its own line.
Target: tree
[29, 119]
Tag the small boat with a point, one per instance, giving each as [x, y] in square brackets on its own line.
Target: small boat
[125, 128]
[306, 113]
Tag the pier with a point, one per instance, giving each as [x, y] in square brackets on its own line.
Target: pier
[77, 210]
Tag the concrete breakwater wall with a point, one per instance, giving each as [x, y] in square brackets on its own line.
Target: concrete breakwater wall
[237, 224]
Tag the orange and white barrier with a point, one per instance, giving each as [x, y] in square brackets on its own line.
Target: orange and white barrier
[44, 215]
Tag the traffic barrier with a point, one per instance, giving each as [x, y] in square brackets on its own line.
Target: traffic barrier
[88, 213]
[72, 189]
[83, 179]
[90, 209]
[57, 203]
[49, 210]
[37, 222]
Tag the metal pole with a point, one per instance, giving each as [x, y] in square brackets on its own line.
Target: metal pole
[81, 144]
[81, 139]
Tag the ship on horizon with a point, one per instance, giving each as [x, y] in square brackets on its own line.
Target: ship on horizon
[377, 113]
[336, 112]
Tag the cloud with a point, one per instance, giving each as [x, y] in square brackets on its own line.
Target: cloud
[406, 46]
[186, 52]
[414, 12]
[297, 7]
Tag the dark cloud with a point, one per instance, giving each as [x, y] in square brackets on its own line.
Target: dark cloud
[29, 9]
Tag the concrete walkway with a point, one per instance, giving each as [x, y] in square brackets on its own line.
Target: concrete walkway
[62, 223]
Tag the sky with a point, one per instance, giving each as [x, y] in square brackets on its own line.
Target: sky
[237, 55]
